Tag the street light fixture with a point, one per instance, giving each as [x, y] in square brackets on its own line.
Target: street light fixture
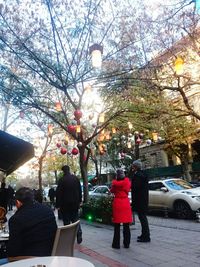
[96, 52]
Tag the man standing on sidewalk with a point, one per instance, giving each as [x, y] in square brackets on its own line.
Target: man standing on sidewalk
[69, 198]
[140, 198]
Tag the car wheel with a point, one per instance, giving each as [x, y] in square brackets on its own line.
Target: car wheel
[182, 210]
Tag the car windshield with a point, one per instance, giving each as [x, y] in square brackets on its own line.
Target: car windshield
[178, 184]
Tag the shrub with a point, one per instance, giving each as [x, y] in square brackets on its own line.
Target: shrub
[98, 209]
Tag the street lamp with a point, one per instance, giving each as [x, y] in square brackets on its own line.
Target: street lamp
[96, 52]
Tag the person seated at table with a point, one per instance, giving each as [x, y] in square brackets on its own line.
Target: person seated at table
[32, 228]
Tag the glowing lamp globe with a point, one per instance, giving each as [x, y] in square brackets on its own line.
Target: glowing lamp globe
[78, 114]
[58, 106]
[96, 52]
[178, 65]
[63, 150]
[74, 151]
[148, 141]
[66, 142]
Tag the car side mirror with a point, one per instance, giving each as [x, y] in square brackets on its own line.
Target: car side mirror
[164, 189]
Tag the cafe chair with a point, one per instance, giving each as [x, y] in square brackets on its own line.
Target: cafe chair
[65, 239]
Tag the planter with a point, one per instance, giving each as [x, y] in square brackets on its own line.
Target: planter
[98, 210]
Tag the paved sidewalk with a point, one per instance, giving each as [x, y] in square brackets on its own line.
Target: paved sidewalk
[174, 243]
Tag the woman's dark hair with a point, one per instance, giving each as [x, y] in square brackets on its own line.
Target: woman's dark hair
[120, 174]
[24, 195]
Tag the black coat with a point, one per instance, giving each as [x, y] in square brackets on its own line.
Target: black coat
[68, 193]
[31, 231]
[139, 191]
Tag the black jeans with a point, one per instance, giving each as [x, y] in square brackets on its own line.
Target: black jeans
[144, 224]
[126, 235]
[71, 217]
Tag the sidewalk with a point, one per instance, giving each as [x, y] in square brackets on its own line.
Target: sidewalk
[174, 243]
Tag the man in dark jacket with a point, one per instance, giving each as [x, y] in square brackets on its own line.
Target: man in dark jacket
[52, 195]
[140, 198]
[69, 198]
[32, 228]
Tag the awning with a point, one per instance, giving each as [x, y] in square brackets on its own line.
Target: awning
[14, 152]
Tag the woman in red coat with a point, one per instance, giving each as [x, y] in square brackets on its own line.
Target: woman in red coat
[121, 209]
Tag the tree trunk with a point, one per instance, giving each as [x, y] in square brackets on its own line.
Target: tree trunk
[137, 151]
[40, 162]
[56, 176]
[84, 176]
[186, 170]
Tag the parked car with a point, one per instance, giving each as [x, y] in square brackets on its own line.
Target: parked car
[100, 191]
[195, 183]
[90, 187]
[175, 195]
[103, 191]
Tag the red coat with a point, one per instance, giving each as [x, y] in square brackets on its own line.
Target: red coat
[121, 207]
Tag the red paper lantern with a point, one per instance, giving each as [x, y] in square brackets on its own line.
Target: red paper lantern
[71, 128]
[138, 141]
[58, 145]
[63, 150]
[77, 114]
[74, 151]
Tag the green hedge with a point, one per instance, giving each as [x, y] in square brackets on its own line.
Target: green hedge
[98, 210]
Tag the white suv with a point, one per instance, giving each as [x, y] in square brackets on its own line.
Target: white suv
[175, 195]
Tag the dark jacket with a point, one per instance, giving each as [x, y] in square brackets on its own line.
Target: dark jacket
[139, 191]
[52, 194]
[68, 193]
[31, 231]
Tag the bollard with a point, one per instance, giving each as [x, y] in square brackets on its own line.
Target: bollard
[198, 216]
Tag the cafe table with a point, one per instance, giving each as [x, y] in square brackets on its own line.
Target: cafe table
[51, 261]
